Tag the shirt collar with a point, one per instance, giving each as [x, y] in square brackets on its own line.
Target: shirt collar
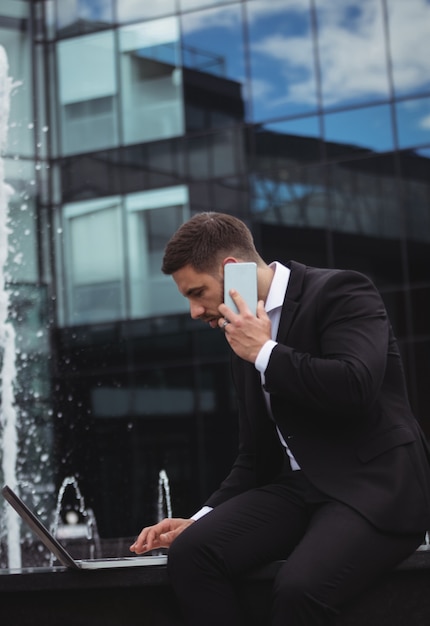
[278, 286]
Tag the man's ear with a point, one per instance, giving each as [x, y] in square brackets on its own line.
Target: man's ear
[229, 259]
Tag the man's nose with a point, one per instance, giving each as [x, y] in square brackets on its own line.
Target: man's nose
[196, 310]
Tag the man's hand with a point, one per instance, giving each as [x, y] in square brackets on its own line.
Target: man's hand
[160, 535]
[245, 332]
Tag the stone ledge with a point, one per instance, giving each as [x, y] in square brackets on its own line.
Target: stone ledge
[136, 596]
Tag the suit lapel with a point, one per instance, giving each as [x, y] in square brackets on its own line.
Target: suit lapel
[292, 299]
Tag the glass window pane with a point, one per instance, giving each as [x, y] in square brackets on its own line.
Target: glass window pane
[199, 4]
[306, 245]
[351, 47]
[129, 10]
[413, 122]
[212, 42]
[282, 144]
[352, 131]
[151, 81]
[87, 93]
[93, 261]
[81, 16]
[382, 261]
[410, 45]
[153, 216]
[295, 196]
[211, 101]
[282, 58]
[363, 198]
[90, 175]
[415, 170]
[227, 153]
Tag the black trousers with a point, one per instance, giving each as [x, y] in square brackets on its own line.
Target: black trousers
[331, 554]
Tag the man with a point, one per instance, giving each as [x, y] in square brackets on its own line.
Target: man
[332, 474]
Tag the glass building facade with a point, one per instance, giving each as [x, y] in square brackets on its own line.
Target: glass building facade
[309, 119]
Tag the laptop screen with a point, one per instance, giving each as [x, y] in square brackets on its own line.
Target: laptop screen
[38, 528]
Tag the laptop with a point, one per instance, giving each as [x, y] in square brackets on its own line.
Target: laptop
[61, 553]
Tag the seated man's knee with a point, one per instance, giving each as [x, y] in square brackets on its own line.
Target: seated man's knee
[183, 551]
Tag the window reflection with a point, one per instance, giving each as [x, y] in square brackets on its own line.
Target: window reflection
[151, 81]
[384, 269]
[94, 274]
[128, 10]
[351, 50]
[293, 196]
[367, 128]
[211, 101]
[199, 4]
[111, 272]
[152, 218]
[156, 401]
[424, 152]
[279, 144]
[80, 16]
[212, 42]
[87, 93]
[306, 245]
[282, 58]
[362, 198]
[416, 171]
[408, 24]
[413, 122]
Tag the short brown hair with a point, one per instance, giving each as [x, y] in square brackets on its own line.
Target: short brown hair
[204, 239]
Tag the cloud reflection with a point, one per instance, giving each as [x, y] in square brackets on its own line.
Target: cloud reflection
[351, 49]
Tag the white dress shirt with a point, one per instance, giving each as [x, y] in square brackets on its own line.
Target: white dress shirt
[273, 307]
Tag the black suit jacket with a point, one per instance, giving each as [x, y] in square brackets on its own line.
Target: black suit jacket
[338, 395]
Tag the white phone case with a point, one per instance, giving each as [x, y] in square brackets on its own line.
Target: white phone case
[243, 278]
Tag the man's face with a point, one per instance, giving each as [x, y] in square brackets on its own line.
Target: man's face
[204, 292]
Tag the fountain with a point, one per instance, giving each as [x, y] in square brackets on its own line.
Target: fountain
[8, 412]
[9, 417]
[164, 508]
[81, 521]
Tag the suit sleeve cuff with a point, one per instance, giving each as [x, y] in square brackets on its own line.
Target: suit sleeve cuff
[262, 360]
[203, 511]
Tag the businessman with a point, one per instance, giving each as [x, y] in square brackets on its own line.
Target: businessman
[332, 473]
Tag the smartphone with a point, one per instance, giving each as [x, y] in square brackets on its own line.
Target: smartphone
[243, 278]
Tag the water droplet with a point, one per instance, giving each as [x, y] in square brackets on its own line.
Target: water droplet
[45, 129]
[30, 126]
